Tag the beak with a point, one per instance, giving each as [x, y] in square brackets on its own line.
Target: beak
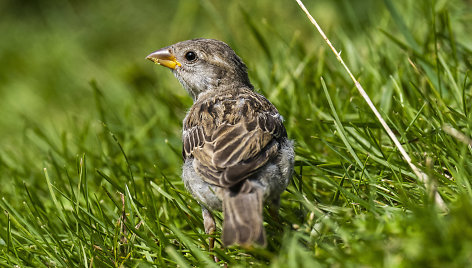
[165, 58]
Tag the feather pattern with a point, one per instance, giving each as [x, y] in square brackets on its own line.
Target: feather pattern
[231, 136]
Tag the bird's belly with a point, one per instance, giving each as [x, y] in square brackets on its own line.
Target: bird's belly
[275, 176]
[205, 193]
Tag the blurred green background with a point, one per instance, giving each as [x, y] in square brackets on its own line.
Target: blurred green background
[51, 50]
[77, 97]
[58, 57]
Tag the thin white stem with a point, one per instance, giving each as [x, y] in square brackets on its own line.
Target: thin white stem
[421, 175]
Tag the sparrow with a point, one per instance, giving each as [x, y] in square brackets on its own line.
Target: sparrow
[237, 156]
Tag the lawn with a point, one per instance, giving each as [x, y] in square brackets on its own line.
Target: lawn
[90, 132]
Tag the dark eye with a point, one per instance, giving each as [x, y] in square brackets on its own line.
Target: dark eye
[190, 56]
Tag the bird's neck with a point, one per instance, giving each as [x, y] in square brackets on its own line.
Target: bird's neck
[222, 90]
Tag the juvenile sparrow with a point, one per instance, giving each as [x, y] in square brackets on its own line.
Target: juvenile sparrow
[235, 147]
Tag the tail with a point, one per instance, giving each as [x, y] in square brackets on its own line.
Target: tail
[242, 209]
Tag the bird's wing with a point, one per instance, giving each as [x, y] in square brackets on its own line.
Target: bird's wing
[231, 137]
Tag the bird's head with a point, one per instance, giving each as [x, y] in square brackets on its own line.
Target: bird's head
[202, 65]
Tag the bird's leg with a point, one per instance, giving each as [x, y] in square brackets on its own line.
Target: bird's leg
[274, 209]
[210, 227]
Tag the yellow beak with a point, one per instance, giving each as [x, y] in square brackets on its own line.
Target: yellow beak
[165, 58]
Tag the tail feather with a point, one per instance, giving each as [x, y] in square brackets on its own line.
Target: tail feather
[242, 222]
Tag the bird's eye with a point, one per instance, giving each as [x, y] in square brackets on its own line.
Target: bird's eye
[190, 56]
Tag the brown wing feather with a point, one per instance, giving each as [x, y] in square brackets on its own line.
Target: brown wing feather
[231, 136]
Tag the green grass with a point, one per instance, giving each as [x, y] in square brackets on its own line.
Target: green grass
[90, 132]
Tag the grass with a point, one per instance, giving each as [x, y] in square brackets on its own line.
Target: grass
[90, 133]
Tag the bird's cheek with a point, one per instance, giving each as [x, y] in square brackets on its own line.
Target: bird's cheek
[220, 73]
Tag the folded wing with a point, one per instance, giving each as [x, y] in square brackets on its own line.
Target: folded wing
[231, 137]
